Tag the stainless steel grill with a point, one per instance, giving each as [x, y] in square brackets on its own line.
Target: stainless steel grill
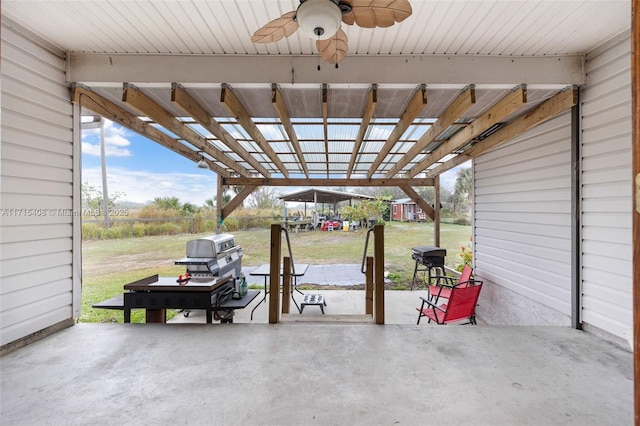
[213, 256]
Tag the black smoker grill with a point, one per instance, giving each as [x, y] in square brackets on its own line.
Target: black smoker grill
[215, 256]
[427, 258]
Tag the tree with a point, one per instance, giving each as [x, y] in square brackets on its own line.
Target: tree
[264, 197]
[92, 197]
[462, 194]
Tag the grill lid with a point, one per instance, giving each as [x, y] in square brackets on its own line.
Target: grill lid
[429, 251]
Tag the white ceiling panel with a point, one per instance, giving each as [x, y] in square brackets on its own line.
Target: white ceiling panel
[224, 27]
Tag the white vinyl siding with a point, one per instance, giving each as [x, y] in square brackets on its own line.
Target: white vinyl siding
[37, 172]
[522, 227]
[606, 197]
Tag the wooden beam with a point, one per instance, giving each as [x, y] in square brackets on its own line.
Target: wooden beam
[184, 100]
[367, 115]
[378, 273]
[419, 201]
[219, 196]
[368, 287]
[235, 107]
[503, 108]
[274, 274]
[456, 109]
[548, 109]
[281, 110]
[146, 106]
[237, 200]
[326, 182]
[415, 106]
[286, 284]
[86, 98]
[325, 125]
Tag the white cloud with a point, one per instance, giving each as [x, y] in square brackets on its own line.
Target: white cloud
[116, 141]
[142, 186]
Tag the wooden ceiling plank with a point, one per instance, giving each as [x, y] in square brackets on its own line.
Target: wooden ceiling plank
[281, 110]
[376, 182]
[426, 208]
[146, 106]
[87, 98]
[501, 109]
[545, 111]
[415, 106]
[367, 115]
[455, 110]
[325, 125]
[235, 107]
[184, 100]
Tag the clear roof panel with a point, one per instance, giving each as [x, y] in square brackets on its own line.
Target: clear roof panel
[312, 146]
[273, 132]
[311, 131]
[378, 132]
[371, 147]
[281, 147]
[236, 131]
[341, 132]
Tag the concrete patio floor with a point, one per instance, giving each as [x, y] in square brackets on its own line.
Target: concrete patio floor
[316, 374]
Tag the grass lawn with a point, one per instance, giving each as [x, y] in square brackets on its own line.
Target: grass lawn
[108, 264]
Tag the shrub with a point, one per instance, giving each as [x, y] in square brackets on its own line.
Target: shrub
[138, 229]
[92, 231]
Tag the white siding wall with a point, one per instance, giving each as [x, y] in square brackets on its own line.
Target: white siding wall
[522, 227]
[606, 256]
[36, 168]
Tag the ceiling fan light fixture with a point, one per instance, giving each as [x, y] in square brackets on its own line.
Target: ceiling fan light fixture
[319, 19]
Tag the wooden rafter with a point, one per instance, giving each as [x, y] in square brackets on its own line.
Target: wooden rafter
[548, 109]
[237, 200]
[235, 107]
[505, 106]
[411, 193]
[146, 106]
[367, 115]
[184, 100]
[415, 106]
[241, 181]
[325, 125]
[281, 110]
[456, 109]
[98, 104]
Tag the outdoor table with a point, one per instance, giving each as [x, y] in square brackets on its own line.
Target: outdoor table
[265, 270]
[156, 294]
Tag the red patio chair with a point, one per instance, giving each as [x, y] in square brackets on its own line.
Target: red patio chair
[443, 284]
[461, 305]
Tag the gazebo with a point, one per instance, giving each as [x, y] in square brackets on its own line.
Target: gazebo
[322, 196]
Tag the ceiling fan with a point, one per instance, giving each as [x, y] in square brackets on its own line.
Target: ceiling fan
[320, 20]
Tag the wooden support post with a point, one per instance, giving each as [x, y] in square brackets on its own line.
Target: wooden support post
[368, 287]
[436, 212]
[274, 274]
[286, 284]
[378, 276]
[219, 196]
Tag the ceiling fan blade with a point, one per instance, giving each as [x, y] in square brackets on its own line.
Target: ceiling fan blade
[280, 27]
[377, 13]
[334, 49]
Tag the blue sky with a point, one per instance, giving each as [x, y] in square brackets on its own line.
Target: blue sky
[141, 169]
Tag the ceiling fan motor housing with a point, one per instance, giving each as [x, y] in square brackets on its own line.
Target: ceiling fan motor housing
[319, 19]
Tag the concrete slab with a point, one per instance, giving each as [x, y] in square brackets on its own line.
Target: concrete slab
[400, 307]
[334, 274]
[321, 374]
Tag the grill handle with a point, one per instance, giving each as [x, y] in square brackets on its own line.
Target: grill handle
[364, 255]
